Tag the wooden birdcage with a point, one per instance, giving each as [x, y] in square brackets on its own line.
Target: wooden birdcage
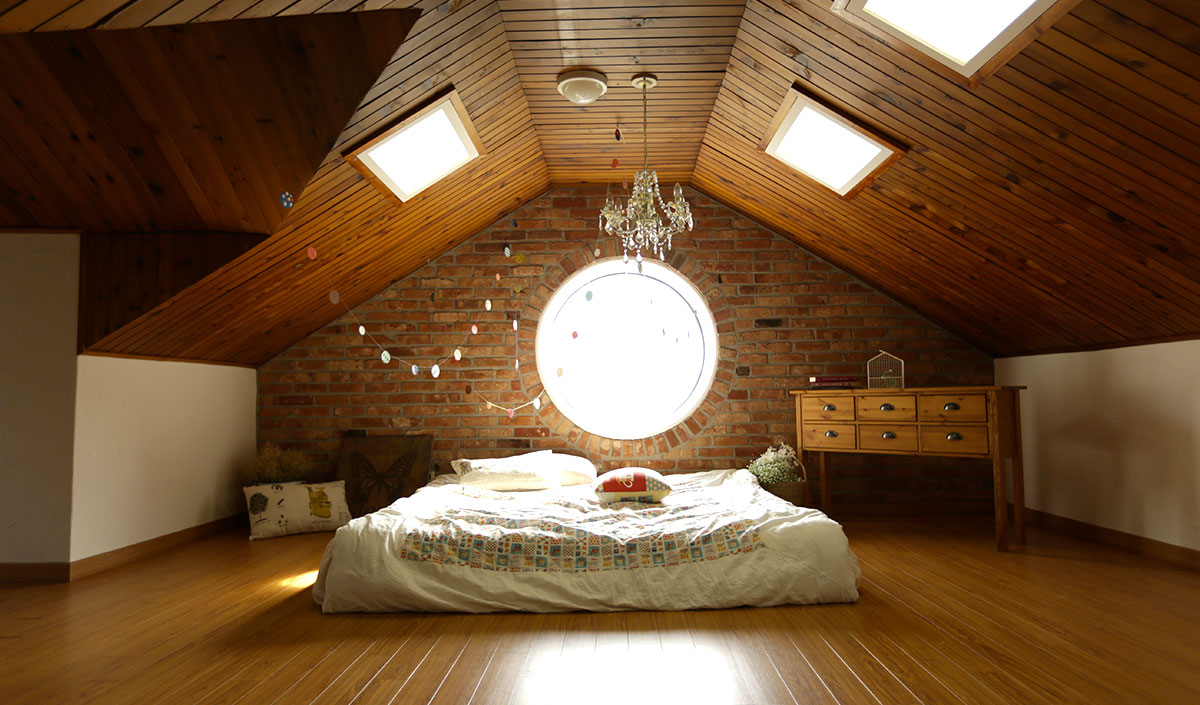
[885, 371]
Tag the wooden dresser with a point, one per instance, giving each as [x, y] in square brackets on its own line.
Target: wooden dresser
[967, 422]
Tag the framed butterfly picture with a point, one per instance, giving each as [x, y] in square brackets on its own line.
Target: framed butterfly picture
[380, 469]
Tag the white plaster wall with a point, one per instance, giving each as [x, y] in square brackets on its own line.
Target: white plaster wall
[157, 445]
[1112, 437]
[39, 296]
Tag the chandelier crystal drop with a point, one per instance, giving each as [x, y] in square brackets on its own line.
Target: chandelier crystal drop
[638, 222]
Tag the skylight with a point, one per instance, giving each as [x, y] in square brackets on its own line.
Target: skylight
[828, 148]
[419, 151]
[964, 36]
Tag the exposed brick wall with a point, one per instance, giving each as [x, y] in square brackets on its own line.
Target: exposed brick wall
[782, 315]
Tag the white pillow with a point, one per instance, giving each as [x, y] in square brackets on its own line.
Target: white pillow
[572, 469]
[520, 472]
[282, 509]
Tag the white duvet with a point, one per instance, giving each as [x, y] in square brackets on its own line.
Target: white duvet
[718, 540]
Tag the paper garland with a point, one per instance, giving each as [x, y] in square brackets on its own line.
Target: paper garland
[435, 370]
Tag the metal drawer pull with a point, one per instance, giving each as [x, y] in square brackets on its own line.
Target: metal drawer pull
[950, 406]
[886, 407]
[829, 407]
[831, 434]
[889, 435]
[953, 436]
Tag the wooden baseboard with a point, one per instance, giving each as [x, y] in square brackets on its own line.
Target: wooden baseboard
[1178, 555]
[105, 561]
[35, 572]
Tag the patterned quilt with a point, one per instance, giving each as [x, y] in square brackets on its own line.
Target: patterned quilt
[572, 535]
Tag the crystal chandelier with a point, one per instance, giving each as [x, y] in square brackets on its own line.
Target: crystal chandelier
[638, 223]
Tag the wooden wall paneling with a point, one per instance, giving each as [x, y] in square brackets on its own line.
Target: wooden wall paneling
[124, 275]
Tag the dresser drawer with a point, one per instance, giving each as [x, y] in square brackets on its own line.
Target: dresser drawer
[953, 407]
[888, 437]
[954, 439]
[839, 436]
[834, 407]
[886, 407]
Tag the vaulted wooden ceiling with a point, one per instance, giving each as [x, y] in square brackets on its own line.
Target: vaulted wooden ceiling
[1053, 207]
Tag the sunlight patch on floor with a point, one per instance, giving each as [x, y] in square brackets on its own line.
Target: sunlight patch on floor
[699, 675]
[297, 582]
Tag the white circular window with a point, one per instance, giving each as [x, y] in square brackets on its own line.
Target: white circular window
[623, 354]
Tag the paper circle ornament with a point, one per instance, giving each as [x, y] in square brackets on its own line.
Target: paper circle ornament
[511, 412]
[474, 329]
[588, 296]
[312, 253]
[334, 296]
[436, 371]
[507, 251]
[537, 402]
[574, 334]
[385, 356]
[596, 251]
[497, 276]
[362, 330]
[487, 305]
[457, 354]
[414, 370]
[514, 325]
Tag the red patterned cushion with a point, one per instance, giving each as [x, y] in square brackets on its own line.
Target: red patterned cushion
[631, 485]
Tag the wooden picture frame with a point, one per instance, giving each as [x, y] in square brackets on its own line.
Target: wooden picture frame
[448, 99]
[1007, 44]
[798, 96]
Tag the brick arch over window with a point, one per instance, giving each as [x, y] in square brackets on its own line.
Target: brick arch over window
[679, 435]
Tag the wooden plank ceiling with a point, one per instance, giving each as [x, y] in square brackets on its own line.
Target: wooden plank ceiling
[686, 45]
[1053, 207]
[196, 127]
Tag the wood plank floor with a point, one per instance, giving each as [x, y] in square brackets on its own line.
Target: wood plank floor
[943, 618]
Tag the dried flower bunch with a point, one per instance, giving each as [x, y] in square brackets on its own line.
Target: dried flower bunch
[274, 464]
[776, 465]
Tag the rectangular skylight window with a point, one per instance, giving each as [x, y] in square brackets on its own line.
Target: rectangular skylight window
[971, 37]
[420, 150]
[827, 147]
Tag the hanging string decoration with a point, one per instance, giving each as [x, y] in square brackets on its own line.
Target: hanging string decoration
[456, 354]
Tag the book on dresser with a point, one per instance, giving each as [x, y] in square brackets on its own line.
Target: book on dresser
[831, 382]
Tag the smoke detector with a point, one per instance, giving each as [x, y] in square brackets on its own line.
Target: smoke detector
[581, 86]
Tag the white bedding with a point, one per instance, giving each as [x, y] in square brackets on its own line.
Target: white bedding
[718, 540]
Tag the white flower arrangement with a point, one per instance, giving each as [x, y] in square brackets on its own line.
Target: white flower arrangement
[776, 465]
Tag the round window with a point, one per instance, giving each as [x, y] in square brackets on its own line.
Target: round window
[626, 354]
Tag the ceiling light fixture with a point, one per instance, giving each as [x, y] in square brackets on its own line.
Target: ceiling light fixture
[638, 223]
[581, 86]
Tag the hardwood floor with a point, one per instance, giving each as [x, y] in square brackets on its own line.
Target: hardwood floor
[943, 618]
